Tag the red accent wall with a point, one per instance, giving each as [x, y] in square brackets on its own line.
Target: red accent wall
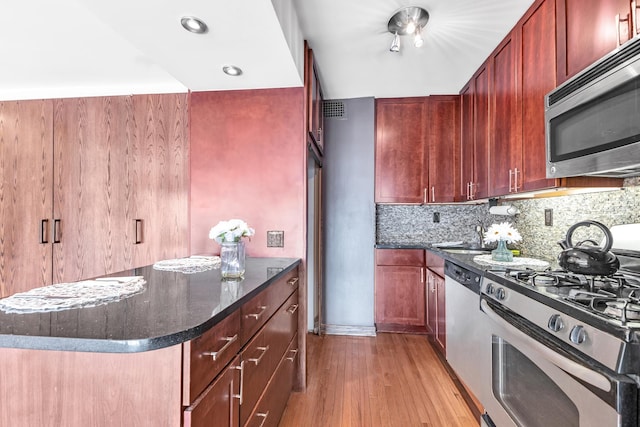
[248, 161]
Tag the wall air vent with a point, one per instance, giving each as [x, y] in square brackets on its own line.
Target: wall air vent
[334, 110]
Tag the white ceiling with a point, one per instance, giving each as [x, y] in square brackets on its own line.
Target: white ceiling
[72, 48]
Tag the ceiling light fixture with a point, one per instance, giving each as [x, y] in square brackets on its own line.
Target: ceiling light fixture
[408, 21]
[232, 70]
[194, 25]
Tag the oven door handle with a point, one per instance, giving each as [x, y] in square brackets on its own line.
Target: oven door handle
[573, 368]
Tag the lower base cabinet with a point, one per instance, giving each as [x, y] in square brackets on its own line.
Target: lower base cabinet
[435, 301]
[253, 389]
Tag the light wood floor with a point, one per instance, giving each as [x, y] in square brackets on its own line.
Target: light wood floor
[384, 381]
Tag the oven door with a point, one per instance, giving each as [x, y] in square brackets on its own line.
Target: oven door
[537, 382]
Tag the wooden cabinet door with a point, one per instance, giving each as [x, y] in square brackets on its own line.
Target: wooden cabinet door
[504, 148]
[467, 133]
[401, 156]
[26, 174]
[443, 124]
[441, 332]
[90, 187]
[587, 30]
[400, 295]
[431, 303]
[158, 166]
[219, 404]
[537, 79]
[480, 184]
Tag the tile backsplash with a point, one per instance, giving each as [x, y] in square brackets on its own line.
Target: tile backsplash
[414, 224]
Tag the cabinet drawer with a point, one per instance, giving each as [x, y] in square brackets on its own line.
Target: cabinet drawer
[269, 409]
[260, 308]
[205, 356]
[219, 404]
[256, 372]
[435, 263]
[400, 257]
[281, 328]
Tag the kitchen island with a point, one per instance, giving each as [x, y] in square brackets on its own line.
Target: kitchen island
[152, 359]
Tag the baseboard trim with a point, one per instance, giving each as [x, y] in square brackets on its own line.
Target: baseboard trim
[361, 331]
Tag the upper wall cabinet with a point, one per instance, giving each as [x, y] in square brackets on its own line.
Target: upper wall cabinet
[314, 104]
[91, 186]
[589, 29]
[416, 150]
[401, 151]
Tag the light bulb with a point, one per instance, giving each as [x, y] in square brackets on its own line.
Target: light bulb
[395, 45]
[418, 41]
[411, 27]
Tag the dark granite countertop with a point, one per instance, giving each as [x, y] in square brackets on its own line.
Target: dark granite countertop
[174, 308]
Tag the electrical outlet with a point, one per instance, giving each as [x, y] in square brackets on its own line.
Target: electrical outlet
[548, 217]
[436, 217]
[275, 239]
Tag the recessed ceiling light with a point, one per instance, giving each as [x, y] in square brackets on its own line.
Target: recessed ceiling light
[193, 25]
[232, 70]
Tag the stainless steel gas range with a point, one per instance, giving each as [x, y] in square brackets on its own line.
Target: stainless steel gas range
[565, 348]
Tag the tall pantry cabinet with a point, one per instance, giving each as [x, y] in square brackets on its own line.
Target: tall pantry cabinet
[90, 186]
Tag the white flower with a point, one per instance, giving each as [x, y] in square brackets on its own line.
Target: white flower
[230, 231]
[503, 231]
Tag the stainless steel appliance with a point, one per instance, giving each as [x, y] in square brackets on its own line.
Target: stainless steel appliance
[565, 346]
[592, 120]
[467, 329]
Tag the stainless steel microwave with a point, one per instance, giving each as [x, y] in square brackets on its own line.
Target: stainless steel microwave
[593, 119]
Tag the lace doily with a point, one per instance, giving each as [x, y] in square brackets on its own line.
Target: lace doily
[194, 264]
[65, 296]
[536, 264]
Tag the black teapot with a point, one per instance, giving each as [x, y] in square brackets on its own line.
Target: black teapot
[587, 256]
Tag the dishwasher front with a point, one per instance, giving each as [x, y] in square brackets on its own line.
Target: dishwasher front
[468, 335]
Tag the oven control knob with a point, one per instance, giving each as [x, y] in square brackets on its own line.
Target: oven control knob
[555, 323]
[490, 290]
[500, 294]
[578, 334]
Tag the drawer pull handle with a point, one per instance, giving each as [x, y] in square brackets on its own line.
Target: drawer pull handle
[292, 309]
[293, 281]
[293, 357]
[257, 316]
[241, 369]
[259, 359]
[264, 416]
[216, 354]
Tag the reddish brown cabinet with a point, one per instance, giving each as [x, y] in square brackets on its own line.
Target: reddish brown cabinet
[589, 29]
[435, 301]
[400, 290]
[474, 137]
[416, 149]
[401, 151]
[443, 132]
[314, 101]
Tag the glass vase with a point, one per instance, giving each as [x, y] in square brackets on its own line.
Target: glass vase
[232, 258]
[501, 253]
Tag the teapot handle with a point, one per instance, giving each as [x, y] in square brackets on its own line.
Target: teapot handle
[607, 233]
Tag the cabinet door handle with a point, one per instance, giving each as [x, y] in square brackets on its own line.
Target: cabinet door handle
[292, 309]
[138, 233]
[421, 274]
[510, 180]
[44, 231]
[424, 195]
[468, 191]
[257, 316]
[257, 360]
[216, 354]
[516, 173]
[433, 193]
[56, 231]
[293, 281]
[264, 416]
[241, 369]
[293, 357]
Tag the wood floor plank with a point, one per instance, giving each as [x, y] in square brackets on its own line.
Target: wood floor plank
[384, 381]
